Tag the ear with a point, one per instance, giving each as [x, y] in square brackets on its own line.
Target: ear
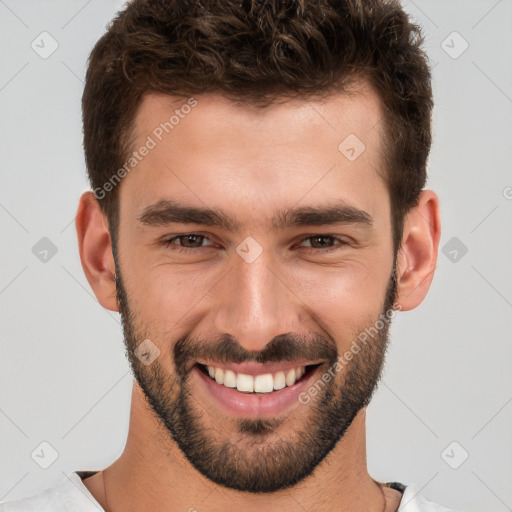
[95, 247]
[417, 258]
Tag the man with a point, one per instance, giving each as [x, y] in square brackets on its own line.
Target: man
[257, 216]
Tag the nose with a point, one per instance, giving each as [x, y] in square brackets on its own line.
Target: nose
[256, 302]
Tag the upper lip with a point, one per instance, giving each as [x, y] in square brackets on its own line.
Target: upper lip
[252, 368]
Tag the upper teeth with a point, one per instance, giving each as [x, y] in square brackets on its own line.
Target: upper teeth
[265, 383]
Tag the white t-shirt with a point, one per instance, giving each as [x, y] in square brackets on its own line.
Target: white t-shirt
[70, 494]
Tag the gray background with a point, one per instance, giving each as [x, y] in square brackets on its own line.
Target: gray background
[63, 376]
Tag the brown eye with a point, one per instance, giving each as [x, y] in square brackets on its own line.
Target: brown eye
[189, 241]
[323, 244]
[321, 241]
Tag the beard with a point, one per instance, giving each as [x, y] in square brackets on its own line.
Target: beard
[253, 454]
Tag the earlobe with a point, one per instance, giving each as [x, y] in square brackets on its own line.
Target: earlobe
[95, 247]
[417, 258]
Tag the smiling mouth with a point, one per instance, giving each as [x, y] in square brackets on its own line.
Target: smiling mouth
[257, 384]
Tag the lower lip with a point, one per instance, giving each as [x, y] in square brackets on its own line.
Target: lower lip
[253, 405]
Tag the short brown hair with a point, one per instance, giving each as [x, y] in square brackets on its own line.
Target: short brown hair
[255, 51]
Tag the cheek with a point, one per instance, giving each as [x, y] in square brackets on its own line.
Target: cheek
[167, 299]
[345, 300]
[344, 294]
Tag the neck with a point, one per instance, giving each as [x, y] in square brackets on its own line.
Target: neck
[153, 473]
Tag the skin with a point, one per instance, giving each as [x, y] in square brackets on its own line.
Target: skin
[253, 164]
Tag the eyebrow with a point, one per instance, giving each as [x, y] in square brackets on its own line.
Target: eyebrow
[166, 211]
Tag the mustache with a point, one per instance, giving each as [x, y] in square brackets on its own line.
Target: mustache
[282, 348]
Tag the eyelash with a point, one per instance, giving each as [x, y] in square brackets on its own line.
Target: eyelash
[167, 243]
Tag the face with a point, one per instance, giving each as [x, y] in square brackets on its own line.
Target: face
[253, 254]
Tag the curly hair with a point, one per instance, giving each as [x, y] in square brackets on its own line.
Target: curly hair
[254, 52]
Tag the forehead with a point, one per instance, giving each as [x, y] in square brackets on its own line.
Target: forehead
[213, 114]
[209, 150]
